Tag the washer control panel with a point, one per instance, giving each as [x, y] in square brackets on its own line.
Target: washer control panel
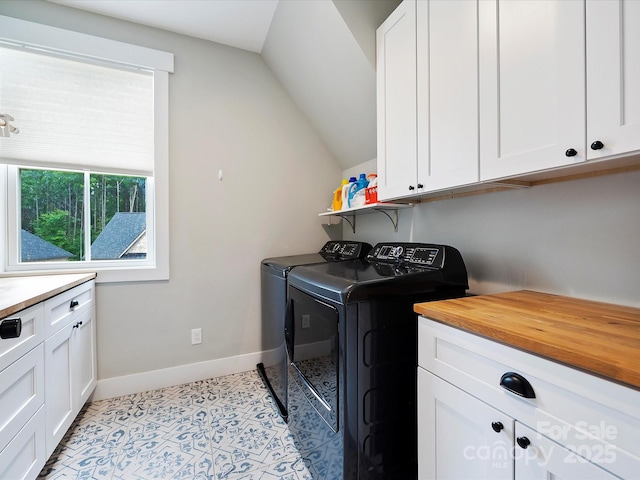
[414, 254]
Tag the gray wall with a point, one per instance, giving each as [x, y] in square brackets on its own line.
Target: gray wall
[579, 238]
[227, 111]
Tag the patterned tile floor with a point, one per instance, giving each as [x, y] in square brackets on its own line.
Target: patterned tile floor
[221, 428]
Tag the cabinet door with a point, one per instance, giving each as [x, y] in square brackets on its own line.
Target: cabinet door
[544, 458]
[84, 358]
[456, 437]
[613, 76]
[396, 98]
[59, 402]
[447, 51]
[24, 456]
[21, 393]
[532, 85]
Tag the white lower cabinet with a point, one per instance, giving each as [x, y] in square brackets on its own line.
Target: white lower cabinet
[463, 438]
[70, 364]
[25, 455]
[538, 457]
[21, 393]
[456, 437]
[571, 425]
[46, 376]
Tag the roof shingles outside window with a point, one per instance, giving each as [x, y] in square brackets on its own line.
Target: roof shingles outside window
[35, 249]
[123, 237]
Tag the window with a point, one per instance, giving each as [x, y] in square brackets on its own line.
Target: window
[59, 223]
[86, 172]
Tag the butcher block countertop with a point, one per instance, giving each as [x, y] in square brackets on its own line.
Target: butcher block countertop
[599, 338]
[18, 293]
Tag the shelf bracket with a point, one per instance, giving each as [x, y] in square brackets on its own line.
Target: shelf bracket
[394, 218]
[389, 209]
[351, 221]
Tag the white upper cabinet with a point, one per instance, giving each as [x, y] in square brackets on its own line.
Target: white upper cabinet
[613, 77]
[396, 98]
[427, 98]
[470, 92]
[447, 36]
[532, 86]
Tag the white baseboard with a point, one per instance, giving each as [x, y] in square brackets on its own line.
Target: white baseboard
[167, 377]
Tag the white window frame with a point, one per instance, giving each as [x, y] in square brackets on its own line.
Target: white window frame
[37, 36]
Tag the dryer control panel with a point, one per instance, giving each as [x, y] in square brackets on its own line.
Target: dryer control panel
[344, 250]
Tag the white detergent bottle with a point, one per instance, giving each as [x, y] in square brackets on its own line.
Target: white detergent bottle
[345, 192]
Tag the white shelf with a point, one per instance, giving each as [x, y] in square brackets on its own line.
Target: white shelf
[349, 214]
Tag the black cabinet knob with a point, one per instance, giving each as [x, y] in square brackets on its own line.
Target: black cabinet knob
[74, 303]
[597, 145]
[411, 187]
[11, 328]
[420, 185]
[571, 152]
[497, 426]
[524, 442]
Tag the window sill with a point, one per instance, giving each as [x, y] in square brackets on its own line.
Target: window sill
[105, 275]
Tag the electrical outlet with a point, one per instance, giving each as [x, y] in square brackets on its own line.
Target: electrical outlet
[196, 336]
[306, 321]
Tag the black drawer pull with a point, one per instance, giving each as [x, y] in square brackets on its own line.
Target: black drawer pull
[517, 384]
[74, 303]
[11, 328]
[524, 442]
[497, 426]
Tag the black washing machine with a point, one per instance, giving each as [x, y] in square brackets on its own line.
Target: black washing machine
[274, 272]
[351, 336]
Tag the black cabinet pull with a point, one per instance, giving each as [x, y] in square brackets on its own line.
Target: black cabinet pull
[516, 383]
[420, 185]
[571, 152]
[497, 426]
[411, 187]
[74, 303]
[11, 328]
[597, 145]
[77, 325]
[524, 442]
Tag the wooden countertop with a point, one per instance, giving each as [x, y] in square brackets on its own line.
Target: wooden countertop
[599, 338]
[18, 293]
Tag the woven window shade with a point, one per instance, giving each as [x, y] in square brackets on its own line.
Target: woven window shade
[75, 114]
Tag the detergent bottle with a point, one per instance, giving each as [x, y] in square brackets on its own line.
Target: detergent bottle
[371, 192]
[345, 192]
[357, 192]
[337, 196]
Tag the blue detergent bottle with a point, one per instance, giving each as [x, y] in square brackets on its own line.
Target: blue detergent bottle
[355, 199]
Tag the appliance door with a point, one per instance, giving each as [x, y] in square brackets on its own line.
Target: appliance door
[273, 369]
[311, 334]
